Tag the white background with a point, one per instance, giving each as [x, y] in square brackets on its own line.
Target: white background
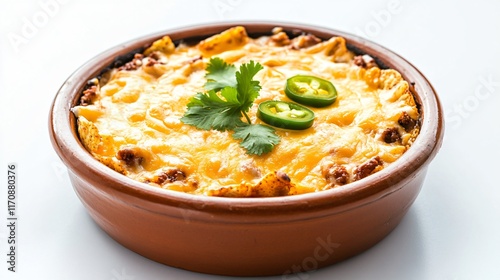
[451, 232]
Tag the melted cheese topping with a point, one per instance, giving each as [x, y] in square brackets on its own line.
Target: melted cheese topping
[133, 124]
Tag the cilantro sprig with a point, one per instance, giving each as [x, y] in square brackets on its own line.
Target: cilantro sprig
[230, 95]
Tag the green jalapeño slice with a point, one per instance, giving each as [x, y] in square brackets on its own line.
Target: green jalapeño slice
[310, 90]
[285, 115]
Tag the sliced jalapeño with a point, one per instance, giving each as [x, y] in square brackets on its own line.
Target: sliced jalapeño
[286, 115]
[310, 91]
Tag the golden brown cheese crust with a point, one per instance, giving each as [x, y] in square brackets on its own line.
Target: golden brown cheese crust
[130, 120]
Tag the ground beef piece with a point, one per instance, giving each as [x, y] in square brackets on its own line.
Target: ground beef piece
[280, 39]
[151, 62]
[336, 174]
[391, 135]
[88, 95]
[358, 60]
[134, 64]
[364, 61]
[304, 41]
[130, 156]
[154, 55]
[340, 175]
[367, 168]
[169, 176]
[406, 121]
[153, 59]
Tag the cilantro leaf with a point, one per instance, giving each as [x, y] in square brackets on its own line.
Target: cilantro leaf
[257, 139]
[209, 111]
[220, 75]
[248, 89]
[221, 119]
[230, 94]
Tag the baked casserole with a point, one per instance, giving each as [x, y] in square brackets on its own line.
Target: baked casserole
[132, 118]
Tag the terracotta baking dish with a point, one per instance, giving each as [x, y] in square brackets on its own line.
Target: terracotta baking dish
[246, 236]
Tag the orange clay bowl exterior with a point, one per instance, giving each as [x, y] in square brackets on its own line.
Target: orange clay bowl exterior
[247, 236]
